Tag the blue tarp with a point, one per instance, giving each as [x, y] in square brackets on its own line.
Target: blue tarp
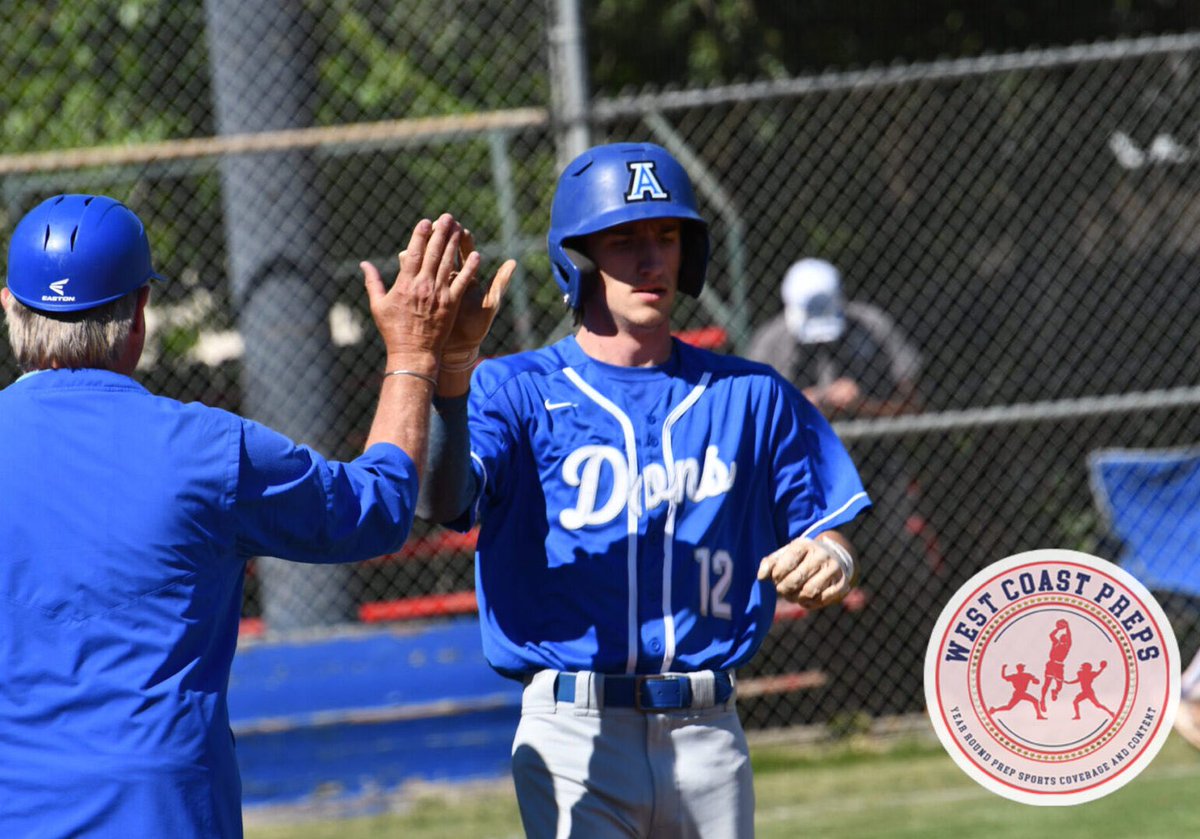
[1151, 500]
[351, 714]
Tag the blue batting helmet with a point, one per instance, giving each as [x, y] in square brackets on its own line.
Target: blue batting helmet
[75, 252]
[614, 184]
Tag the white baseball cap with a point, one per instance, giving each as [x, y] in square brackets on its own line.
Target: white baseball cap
[812, 299]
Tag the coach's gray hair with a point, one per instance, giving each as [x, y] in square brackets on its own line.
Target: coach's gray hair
[92, 338]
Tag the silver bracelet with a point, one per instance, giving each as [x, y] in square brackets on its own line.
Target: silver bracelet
[413, 373]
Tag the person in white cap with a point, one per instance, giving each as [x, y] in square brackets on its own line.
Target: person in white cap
[848, 357]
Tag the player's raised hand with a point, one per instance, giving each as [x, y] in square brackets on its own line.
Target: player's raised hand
[476, 312]
[807, 572]
[415, 315]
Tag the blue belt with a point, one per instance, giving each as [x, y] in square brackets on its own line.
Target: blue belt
[647, 692]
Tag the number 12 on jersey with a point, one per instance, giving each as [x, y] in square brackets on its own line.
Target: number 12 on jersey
[718, 564]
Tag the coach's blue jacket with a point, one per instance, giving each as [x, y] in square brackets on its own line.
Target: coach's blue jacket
[125, 522]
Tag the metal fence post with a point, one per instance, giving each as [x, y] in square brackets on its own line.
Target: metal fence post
[568, 80]
[261, 65]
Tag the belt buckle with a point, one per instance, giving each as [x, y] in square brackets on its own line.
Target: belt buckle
[649, 677]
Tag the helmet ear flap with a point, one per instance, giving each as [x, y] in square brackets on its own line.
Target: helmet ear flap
[587, 272]
[587, 268]
[695, 251]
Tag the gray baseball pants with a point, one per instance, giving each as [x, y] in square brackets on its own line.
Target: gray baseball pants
[585, 771]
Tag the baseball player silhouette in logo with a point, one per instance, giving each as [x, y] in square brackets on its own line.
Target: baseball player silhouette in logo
[1084, 678]
[641, 503]
[1060, 645]
[1020, 682]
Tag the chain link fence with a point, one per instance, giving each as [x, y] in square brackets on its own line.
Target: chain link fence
[1030, 222]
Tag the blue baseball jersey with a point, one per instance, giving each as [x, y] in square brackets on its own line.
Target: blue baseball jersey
[624, 511]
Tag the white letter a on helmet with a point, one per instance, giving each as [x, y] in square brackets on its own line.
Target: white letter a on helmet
[643, 183]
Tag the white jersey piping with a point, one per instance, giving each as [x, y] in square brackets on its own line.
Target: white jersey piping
[631, 521]
[853, 498]
[676, 495]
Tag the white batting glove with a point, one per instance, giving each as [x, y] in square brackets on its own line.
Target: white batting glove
[809, 572]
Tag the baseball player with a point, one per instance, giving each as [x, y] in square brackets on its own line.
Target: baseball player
[641, 504]
[128, 517]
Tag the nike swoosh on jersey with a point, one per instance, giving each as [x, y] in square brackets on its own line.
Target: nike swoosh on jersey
[554, 406]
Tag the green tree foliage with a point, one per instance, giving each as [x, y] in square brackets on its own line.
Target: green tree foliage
[91, 72]
[682, 42]
[388, 61]
[101, 73]
[95, 71]
[120, 72]
[408, 59]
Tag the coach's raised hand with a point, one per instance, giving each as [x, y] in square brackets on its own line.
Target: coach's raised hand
[414, 317]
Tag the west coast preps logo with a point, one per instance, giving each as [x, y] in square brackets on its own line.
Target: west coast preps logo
[60, 295]
[1052, 677]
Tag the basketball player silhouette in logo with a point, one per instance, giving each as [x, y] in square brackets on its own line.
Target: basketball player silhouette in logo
[1084, 678]
[1020, 682]
[1060, 645]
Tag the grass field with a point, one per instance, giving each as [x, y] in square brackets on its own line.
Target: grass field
[860, 788]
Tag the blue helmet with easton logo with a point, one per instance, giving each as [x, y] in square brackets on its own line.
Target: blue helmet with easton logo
[615, 184]
[76, 252]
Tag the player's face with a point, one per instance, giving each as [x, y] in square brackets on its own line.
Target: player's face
[638, 263]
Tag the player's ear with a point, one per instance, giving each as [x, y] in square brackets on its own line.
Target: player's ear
[139, 312]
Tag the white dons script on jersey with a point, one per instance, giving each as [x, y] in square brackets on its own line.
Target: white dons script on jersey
[643, 183]
[652, 487]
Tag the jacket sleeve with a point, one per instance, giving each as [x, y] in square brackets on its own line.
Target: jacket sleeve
[294, 504]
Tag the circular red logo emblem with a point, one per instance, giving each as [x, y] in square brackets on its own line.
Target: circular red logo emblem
[1052, 677]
